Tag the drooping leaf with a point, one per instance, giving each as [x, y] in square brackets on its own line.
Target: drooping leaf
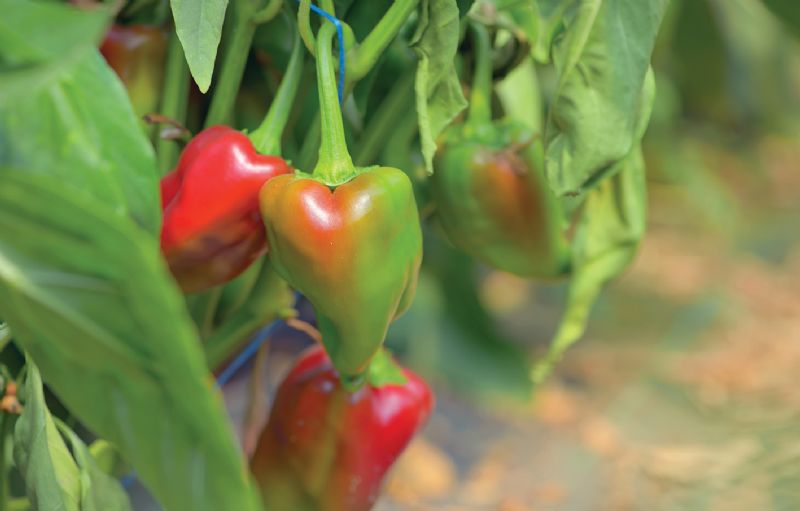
[88, 296]
[99, 491]
[199, 27]
[602, 60]
[51, 477]
[70, 116]
[611, 226]
[439, 97]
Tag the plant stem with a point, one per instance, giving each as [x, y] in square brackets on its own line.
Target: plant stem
[334, 165]
[381, 127]
[174, 101]
[327, 6]
[6, 425]
[269, 300]
[304, 26]
[268, 12]
[267, 137]
[480, 108]
[310, 147]
[234, 59]
[367, 53]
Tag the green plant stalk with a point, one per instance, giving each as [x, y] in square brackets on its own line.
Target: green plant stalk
[304, 26]
[306, 157]
[270, 300]
[6, 427]
[203, 309]
[268, 12]
[267, 137]
[174, 101]
[365, 55]
[480, 107]
[383, 124]
[334, 165]
[234, 59]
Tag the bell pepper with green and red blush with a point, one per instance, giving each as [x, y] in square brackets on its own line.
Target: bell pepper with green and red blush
[326, 449]
[137, 54]
[347, 238]
[491, 193]
[212, 229]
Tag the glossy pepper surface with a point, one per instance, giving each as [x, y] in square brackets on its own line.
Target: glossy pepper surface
[325, 449]
[489, 185]
[212, 228]
[347, 238]
[354, 251]
[137, 54]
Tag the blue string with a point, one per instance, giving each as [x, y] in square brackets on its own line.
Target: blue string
[340, 37]
[243, 357]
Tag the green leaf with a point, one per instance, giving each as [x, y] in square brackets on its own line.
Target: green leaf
[787, 12]
[79, 128]
[50, 474]
[610, 228]
[87, 294]
[602, 61]
[32, 31]
[99, 491]
[53, 480]
[438, 90]
[199, 27]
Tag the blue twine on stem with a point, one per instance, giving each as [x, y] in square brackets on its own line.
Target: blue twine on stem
[340, 37]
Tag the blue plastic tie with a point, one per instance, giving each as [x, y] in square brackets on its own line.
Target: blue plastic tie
[251, 349]
[340, 37]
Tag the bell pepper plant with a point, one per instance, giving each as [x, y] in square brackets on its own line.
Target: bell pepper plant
[489, 186]
[142, 269]
[346, 237]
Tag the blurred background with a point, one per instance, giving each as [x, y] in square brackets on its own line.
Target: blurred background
[684, 393]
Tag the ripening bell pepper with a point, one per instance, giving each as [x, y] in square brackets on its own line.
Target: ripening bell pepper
[212, 227]
[325, 449]
[137, 54]
[490, 189]
[347, 238]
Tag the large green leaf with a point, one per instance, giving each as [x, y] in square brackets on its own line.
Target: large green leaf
[611, 226]
[53, 480]
[88, 296]
[602, 60]
[35, 31]
[199, 27]
[438, 90]
[70, 116]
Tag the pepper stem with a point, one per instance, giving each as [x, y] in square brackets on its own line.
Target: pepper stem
[267, 137]
[334, 165]
[480, 108]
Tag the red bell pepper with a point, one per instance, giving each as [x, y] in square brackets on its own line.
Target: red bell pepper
[326, 449]
[212, 228]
